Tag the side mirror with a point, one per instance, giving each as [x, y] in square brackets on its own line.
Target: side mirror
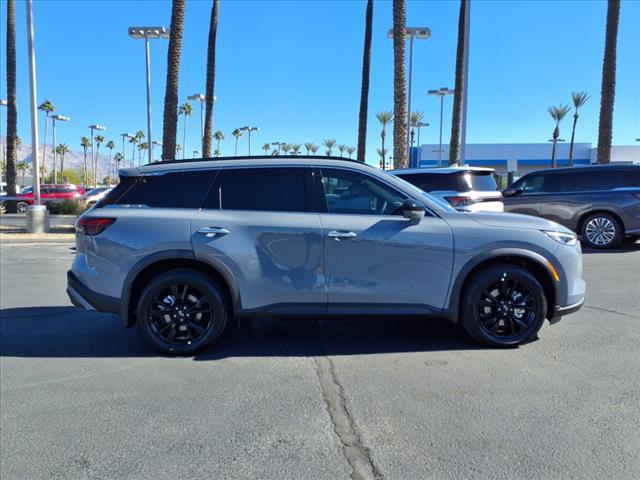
[413, 210]
[509, 192]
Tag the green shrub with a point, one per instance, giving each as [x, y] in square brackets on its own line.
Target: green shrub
[67, 207]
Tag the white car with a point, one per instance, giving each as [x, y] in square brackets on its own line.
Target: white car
[92, 197]
[464, 188]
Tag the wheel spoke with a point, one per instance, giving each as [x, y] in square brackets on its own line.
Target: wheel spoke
[200, 330]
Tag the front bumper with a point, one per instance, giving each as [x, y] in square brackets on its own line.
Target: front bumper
[82, 296]
[561, 311]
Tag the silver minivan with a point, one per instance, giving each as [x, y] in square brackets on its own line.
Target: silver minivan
[179, 247]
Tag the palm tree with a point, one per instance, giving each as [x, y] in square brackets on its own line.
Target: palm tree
[341, 148]
[308, 146]
[557, 113]
[456, 118]
[382, 154]
[110, 145]
[350, 150]
[399, 84]
[85, 143]
[314, 148]
[329, 143]
[415, 118]
[12, 104]
[48, 108]
[186, 110]
[22, 168]
[285, 148]
[219, 136]
[384, 118]
[117, 158]
[579, 99]
[178, 148]
[138, 138]
[295, 149]
[133, 141]
[170, 119]
[266, 148]
[141, 148]
[99, 141]
[608, 89]
[61, 150]
[364, 88]
[211, 76]
[236, 133]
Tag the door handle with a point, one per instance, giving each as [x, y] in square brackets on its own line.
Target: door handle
[213, 231]
[341, 235]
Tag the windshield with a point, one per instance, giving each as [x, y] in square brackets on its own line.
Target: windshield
[441, 203]
[480, 181]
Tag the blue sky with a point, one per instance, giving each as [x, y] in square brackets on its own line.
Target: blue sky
[293, 68]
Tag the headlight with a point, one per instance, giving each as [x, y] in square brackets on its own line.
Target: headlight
[562, 237]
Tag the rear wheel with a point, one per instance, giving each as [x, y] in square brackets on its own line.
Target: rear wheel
[22, 207]
[601, 230]
[181, 311]
[504, 306]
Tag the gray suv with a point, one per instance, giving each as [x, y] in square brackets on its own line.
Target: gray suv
[180, 247]
[599, 202]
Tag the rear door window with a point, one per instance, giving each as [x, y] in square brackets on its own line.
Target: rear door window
[611, 179]
[169, 190]
[430, 182]
[568, 182]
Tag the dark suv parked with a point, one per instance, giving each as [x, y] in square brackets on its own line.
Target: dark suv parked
[600, 202]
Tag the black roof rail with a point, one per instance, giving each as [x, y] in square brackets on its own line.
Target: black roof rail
[256, 157]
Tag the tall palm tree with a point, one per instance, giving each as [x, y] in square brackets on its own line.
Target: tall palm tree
[99, 141]
[210, 82]
[134, 141]
[266, 148]
[61, 150]
[399, 84]
[142, 146]
[22, 168]
[456, 117]
[415, 118]
[341, 148]
[295, 149]
[117, 158]
[219, 136]
[557, 113]
[110, 145]
[579, 99]
[350, 150]
[308, 146]
[170, 119]
[12, 104]
[48, 108]
[237, 133]
[285, 148]
[364, 88]
[85, 143]
[384, 118]
[329, 144]
[608, 89]
[382, 154]
[186, 110]
[314, 148]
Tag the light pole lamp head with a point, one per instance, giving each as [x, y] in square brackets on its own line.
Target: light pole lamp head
[157, 142]
[126, 135]
[148, 32]
[3, 102]
[97, 127]
[421, 33]
[197, 97]
[60, 118]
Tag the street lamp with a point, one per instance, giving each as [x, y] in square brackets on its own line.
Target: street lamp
[125, 137]
[93, 159]
[195, 153]
[559, 140]
[419, 125]
[278, 144]
[201, 97]
[249, 130]
[421, 33]
[441, 92]
[158, 143]
[54, 118]
[148, 33]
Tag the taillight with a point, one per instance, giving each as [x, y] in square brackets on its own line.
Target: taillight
[459, 201]
[93, 226]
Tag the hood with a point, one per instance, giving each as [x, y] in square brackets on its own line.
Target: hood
[515, 220]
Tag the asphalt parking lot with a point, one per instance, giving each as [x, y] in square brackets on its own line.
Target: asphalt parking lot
[82, 398]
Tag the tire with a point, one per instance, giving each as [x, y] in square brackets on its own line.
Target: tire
[22, 207]
[489, 311]
[601, 230]
[181, 311]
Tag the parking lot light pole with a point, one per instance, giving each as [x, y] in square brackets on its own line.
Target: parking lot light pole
[249, 130]
[148, 33]
[54, 118]
[157, 143]
[200, 97]
[125, 137]
[441, 92]
[419, 125]
[278, 144]
[3, 151]
[420, 33]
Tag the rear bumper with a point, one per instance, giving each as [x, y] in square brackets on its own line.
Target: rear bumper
[562, 311]
[82, 296]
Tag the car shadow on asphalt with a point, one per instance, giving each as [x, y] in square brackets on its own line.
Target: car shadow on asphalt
[624, 248]
[69, 332]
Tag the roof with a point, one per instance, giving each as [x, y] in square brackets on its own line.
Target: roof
[261, 160]
[442, 170]
[587, 168]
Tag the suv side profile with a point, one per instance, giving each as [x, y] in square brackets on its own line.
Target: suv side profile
[599, 202]
[179, 247]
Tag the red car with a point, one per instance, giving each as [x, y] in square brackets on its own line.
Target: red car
[49, 194]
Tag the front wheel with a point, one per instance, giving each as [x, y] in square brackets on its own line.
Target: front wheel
[503, 306]
[601, 230]
[181, 311]
[22, 207]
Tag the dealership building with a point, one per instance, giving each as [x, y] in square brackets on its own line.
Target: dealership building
[521, 158]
